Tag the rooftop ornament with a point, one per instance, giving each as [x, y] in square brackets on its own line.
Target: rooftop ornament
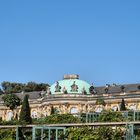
[57, 87]
[74, 87]
[65, 90]
[114, 84]
[92, 89]
[73, 76]
[107, 88]
[138, 87]
[42, 94]
[48, 91]
[122, 88]
[84, 91]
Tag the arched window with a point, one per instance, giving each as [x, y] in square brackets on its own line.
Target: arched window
[99, 109]
[34, 114]
[114, 108]
[132, 107]
[10, 115]
[73, 110]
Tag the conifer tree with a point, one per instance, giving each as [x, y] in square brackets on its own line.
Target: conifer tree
[25, 112]
[52, 110]
[122, 106]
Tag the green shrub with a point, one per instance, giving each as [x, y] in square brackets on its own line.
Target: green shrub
[7, 134]
[111, 116]
[57, 119]
[99, 133]
[12, 122]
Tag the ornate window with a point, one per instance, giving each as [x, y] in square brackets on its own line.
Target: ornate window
[10, 115]
[73, 110]
[34, 114]
[99, 109]
[132, 107]
[114, 108]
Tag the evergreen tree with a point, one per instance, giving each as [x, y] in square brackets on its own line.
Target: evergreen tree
[52, 110]
[122, 106]
[25, 112]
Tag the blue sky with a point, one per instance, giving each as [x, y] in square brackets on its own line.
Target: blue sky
[43, 40]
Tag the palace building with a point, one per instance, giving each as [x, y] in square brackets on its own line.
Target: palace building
[74, 96]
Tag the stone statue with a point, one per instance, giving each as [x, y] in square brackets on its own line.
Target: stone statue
[48, 109]
[65, 90]
[48, 91]
[85, 108]
[74, 87]
[57, 87]
[84, 91]
[64, 108]
[44, 111]
[80, 108]
[90, 108]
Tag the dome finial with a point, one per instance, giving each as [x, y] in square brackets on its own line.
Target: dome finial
[71, 76]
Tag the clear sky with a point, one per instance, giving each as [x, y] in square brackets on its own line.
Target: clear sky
[41, 40]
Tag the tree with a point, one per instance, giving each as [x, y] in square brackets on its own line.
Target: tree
[25, 111]
[6, 86]
[122, 106]
[12, 87]
[1, 92]
[32, 86]
[53, 110]
[11, 101]
[9, 87]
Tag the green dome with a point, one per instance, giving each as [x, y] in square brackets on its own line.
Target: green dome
[72, 86]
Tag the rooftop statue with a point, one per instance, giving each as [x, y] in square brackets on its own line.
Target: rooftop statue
[84, 91]
[65, 90]
[48, 91]
[74, 87]
[57, 87]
